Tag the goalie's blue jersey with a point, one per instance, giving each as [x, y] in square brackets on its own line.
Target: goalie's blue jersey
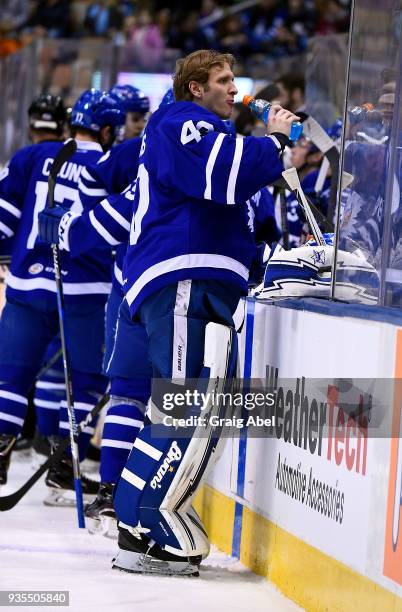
[111, 174]
[23, 194]
[191, 217]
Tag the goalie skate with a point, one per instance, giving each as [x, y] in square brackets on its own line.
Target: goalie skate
[139, 555]
[140, 563]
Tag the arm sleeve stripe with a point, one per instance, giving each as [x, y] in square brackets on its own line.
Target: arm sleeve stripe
[276, 142]
[101, 230]
[92, 192]
[116, 216]
[234, 171]
[6, 230]
[64, 229]
[85, 174]
[10, 208]
[210, 165]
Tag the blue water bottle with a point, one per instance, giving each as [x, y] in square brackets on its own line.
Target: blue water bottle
[260, 108]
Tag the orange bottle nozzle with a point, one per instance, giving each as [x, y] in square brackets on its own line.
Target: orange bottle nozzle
[247, 100]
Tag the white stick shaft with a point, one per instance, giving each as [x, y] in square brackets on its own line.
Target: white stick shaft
[292, 179]
[322, 175]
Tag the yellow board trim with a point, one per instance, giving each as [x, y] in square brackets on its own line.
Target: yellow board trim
[217, 513]
[312, 579]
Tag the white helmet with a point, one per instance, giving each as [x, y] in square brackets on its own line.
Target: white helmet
[306, 272]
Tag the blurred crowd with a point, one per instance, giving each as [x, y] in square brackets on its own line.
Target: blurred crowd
[150, 30]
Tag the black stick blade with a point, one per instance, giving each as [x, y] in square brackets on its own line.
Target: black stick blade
[67, 151]
[7, 502]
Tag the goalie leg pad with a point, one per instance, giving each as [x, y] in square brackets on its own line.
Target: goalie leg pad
[163, 474]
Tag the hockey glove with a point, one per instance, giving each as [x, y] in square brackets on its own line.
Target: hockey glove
[48, 224]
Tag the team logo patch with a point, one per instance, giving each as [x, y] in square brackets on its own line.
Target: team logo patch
[36, 268]
[318, 257]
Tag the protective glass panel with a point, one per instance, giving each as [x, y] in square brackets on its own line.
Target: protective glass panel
[56, 66]
[369, 258]
[326, 77]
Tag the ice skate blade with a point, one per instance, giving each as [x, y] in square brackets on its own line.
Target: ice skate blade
[64, 498]
[105, 526]
[138, 563]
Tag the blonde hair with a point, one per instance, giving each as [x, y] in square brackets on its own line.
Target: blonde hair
[196, 67]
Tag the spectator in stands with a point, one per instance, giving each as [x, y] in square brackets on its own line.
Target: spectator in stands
[145, 45]
[13, 15]
[334, 17]
[103, 18]
[186, 35]
[163, 20]
[231, 37]
[290, 38]
[127, 7]
[263, 21]
[291, 92]
[301, 17]
[210, 13]
[51, 18]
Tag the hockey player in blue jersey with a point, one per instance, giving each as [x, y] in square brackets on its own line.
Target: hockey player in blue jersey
[186, 267]
[29, 320]
[126, 360]
[126, 356]
[46, 119]
[136, 105]
[129, 370]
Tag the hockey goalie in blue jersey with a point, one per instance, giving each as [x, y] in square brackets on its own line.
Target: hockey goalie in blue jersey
[186, 267]
[29, 320]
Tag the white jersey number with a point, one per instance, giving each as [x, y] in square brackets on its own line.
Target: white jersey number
[142, 184]
[190, 132]
[63, 195]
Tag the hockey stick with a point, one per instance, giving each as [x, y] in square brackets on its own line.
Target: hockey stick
[9, 501]
[46, 366]
[279, 192]
[63, 156]
[328, 225]
[284, 218]
[292, 179]
[316, 133]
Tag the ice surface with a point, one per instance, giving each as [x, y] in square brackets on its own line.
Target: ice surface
[43, 549]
